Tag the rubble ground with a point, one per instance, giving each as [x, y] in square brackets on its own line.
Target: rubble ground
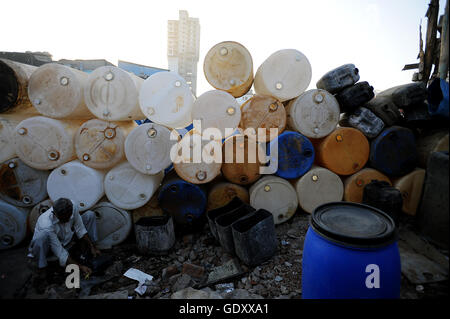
[187, 265]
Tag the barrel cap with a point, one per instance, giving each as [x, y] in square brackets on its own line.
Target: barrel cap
[354, 225]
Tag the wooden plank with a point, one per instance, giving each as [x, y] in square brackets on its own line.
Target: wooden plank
[430, 49]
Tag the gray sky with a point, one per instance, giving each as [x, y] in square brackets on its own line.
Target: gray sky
[379, 36]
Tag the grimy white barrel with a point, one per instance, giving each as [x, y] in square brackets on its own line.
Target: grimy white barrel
[112, 94]
[13, 225]
[37, 211]
[100, 144]
[217, 109]
[411, 186]
[127, 188]
[152, 208]
[276, 195]
[166, 99]
[266, 112]
[56, 91]
[148, 146]
[8, 123]
[198, 161]
[318, 186]
[45, 143]
[113, 224]
[78, 182]
[285, 75]
[315, 113]
[228, 66]
[22, 185]
[14, 77]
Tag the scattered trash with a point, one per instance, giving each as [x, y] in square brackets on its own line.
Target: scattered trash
[278, 278]
[225, 287]
[227, 271]
[139, 276]
[419, 288]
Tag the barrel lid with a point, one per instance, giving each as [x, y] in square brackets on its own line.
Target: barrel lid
[353, 224]
[55, 90]
[112, 94]
[228, 66]
[165, 98]
[315, 113]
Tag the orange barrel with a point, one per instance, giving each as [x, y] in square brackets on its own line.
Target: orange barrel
[315, 113]
[45, 143]
[100, 144]
[275, 195]
[228, 66]
[222, 193]
[432, 142]
[354, 185]
[344, 152]
[262, 111]
[165, 98]
[198, 161]
[285, 75]
[112, 94]
[148, 148]
[56, 91]
[411, 186]
[37, 211]
[14, 77]
[241, 160]
[127, 188]
[150, 209]
[217, 109]
[318, 186]
[8, 123]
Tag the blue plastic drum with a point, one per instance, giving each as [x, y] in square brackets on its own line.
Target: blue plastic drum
[350, 252]
[185, 202]
[394, 151]
[295, 154]
[438, 102]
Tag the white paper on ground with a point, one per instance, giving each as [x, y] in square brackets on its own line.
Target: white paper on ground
[139, 276]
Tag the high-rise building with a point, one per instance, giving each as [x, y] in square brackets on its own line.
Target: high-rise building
[183, 46]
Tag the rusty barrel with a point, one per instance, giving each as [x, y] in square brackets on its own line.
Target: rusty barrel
[354, 184]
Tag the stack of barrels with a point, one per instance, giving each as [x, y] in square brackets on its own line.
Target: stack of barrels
[65, 133]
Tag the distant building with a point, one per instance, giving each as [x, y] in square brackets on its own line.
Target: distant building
[140, 70]
[85, 65]
[31, 58]
[183, 47]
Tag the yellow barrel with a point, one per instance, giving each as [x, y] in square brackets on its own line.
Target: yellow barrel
[344, 152]
[56, 91]
[265, 112]
[411, 186]
[354, 185]
[100, 144]
[14, 77]
[228, 66]
[222, 193]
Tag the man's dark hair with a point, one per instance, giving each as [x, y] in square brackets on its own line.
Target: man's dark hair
[63, 206]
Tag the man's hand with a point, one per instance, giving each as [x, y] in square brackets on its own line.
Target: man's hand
[95, 252]
[85, 270]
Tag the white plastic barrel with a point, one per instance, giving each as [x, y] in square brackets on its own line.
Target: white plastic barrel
[22, 185]
[411, 186]
[201, 160]
[78, 182]
[285, 75]
[228, 66]
[56, 91]
[101, 144]
[315, 113]
[165, 98]
[113, 224]
[112, 94]
[45, 143]
[14, 77]
[13, 225]
[8, 123]
[217, 109]
[148, 146]
[152, 208]
[127, 188]
[37, 211]
[275, 195]
[318, 186]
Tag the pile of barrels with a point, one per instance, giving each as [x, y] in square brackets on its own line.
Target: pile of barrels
[65, 133]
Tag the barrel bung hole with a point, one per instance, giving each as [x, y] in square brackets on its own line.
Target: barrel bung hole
[7, 240]
[173, 188]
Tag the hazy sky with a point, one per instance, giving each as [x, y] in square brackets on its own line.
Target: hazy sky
[379, 36]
